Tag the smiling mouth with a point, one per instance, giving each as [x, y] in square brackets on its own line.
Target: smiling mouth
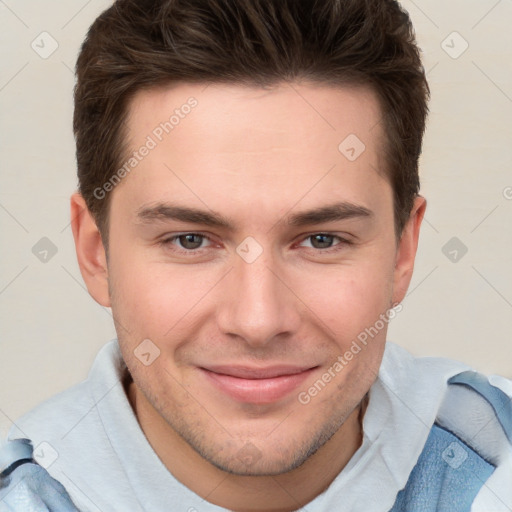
[257, 385]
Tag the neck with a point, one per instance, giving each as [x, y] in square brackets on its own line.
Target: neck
[281, 493]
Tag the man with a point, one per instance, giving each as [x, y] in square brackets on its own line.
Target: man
[249, 208]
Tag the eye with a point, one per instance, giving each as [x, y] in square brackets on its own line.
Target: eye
[323, 241]
[191, 240]
[187, 241]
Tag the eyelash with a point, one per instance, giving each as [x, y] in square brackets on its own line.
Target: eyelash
[190, 252]
[169, 241]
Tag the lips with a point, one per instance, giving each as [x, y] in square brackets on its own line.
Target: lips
[257, 385]
[245, 372]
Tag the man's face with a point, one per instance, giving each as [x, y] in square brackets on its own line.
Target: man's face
[250, 311]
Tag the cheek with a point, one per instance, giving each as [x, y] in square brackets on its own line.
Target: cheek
[348, 299]
[140, 297]
[152, 299]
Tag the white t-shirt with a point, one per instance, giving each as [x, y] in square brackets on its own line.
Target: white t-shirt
[89, 440]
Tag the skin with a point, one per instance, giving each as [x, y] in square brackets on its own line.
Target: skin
[256, 157]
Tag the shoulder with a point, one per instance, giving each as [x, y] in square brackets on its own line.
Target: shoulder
[53, 418]
[466, 461]
[468, 403]
[417, 377]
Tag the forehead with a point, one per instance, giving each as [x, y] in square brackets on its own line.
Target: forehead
[247, 117]
[233, 145]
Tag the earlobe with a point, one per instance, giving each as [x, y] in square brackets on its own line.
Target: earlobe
[90, 251]
[406, 251]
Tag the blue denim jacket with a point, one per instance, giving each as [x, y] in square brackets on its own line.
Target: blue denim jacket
[26, 486]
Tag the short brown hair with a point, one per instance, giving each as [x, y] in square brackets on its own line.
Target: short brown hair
[139, 44]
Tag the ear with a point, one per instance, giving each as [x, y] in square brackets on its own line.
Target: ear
[406, 251]
[89, 251]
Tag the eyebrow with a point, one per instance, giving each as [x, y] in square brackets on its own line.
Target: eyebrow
[329, 213]
[164, 211]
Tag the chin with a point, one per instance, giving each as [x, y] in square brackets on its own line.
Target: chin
[260, 457]
[263, 466]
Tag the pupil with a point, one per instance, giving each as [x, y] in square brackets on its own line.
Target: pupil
[188, 242]
[322, 241]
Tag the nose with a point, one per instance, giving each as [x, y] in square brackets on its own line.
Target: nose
[257, 304]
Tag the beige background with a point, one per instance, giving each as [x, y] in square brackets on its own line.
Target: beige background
[50, 327]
